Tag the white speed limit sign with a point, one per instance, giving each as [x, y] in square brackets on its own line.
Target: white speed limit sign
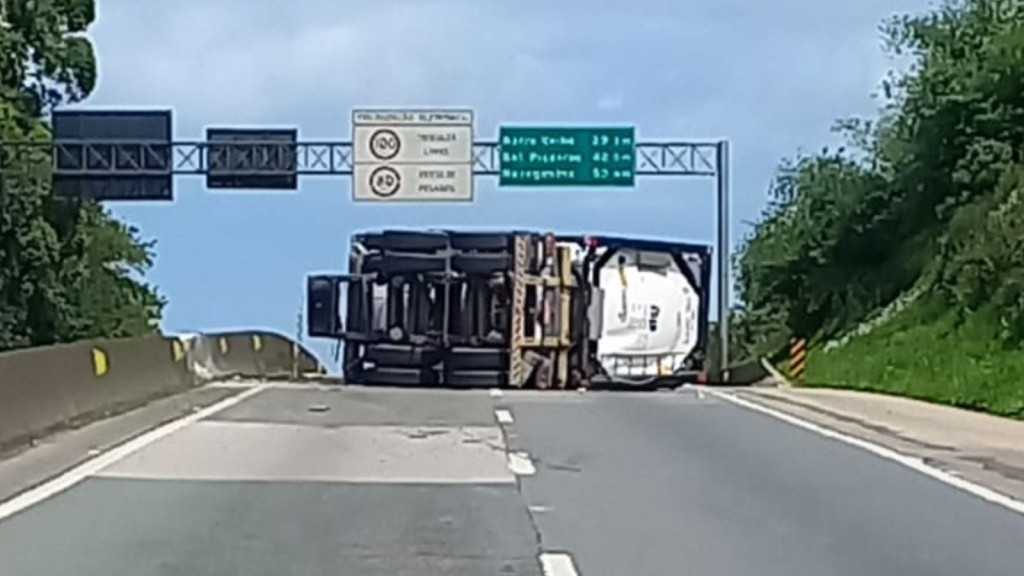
[385, 181]
[385, 144]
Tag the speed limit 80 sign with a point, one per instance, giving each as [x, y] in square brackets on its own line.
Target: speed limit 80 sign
[415, 155]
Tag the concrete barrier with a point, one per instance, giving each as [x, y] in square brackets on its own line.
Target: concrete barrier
[49, 388]
[747, 373]
[261, 353]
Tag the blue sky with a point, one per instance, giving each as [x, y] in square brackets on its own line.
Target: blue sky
[770, 76]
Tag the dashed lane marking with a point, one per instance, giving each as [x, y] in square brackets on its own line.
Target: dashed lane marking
[520, 464]
[557, 564]
[496, 393]
[503, 416]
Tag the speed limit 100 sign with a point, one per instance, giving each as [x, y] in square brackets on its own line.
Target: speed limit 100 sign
[384, 144]
[412, 155]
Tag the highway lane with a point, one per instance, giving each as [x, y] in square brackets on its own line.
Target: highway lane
[297, 482]
[670, 483]
[395, 482]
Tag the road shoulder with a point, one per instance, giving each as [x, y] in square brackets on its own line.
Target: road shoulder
[984, 449]
[53, 455]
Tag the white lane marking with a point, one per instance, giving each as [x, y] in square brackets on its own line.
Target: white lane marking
[557, 564]
[496, 393]
[520, 464]
[503, 416]
[911, 462]
[94, 465]
[700, 393]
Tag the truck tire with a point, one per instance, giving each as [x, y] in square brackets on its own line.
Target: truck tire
[394, 263]
[476, 379]
[402, 356]
[480, 241]
[481, 264]
[475, 359]
[403, 377]
[406, 240]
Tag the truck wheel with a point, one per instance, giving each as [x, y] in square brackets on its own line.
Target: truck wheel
[481, 264]
[406, 240]
[398, 356]
[470, 359]
[476, 379]
[481, 241]
[392, 263]
[404, 377]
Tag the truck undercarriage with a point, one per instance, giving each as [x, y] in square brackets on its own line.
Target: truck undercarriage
[515, 309]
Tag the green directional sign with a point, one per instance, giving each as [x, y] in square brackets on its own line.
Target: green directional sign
[567, 156]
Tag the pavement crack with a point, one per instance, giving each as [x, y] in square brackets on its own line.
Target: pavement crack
[422, 434]
[1005, 470]
[560, 466]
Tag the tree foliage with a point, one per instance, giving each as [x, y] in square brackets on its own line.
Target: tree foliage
[929, 193]
[68, 269]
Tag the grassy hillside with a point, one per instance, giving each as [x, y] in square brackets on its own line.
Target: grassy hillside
[928, 196]
[929, 357]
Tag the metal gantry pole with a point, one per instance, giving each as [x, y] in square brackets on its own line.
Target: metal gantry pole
[722, 174]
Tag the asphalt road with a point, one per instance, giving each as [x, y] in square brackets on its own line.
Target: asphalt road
[401, 482]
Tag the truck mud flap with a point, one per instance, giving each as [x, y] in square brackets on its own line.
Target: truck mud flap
[402, 356]
[405, 241]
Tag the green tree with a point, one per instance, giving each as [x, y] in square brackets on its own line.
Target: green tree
[927, 194]
[47, 60]
[68, 269]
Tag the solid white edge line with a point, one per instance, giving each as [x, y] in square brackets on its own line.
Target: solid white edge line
[520, 464]
[911, 462]
[93, 465]
[503, 416]
[557, 564]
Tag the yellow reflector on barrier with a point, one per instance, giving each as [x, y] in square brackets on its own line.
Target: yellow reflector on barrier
[99, 362]
[257, 343]
[223, 345]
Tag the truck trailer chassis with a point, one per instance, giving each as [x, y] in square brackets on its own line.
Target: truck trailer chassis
[514, 310]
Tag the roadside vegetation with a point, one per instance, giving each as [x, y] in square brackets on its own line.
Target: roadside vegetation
[926, 198]
[68, 269]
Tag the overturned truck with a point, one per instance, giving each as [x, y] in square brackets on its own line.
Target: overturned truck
[517, 309]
